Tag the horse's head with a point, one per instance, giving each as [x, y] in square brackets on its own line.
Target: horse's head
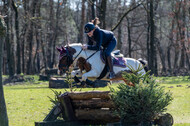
[65, 57]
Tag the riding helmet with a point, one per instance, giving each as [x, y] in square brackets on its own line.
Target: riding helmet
[88, 27]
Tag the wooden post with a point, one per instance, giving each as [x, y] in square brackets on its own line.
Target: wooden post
[54, 113]
[68, 113]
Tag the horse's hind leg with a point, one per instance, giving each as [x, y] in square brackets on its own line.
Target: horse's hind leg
[128, 82]
[120, 77]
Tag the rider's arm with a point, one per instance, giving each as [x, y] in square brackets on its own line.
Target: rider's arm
[90, 42]
[98, 40]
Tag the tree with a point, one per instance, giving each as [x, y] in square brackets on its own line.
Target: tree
[15, 8]
[10, 60]
[3, 110]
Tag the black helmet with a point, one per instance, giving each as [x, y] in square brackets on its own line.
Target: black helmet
[88, 27]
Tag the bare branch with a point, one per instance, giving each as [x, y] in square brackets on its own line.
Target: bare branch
[125, 14]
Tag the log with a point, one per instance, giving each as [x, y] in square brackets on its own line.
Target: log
[96, 116]
[51, 72]
[55, 82]
[59, 123]
[67, 109]
[92, 103]
[89, 95]
[43, 78]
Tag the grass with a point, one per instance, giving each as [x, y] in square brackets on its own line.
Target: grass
[28, 103]
[180, 107]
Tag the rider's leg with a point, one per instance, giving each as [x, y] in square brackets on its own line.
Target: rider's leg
[108, 51]
[110, 64]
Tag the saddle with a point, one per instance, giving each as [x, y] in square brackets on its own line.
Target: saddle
[117, 57]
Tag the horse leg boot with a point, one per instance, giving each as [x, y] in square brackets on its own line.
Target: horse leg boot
[110, 64]
[76, 79]
[90, 83]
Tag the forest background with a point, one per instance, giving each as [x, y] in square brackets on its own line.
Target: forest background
[154, 30]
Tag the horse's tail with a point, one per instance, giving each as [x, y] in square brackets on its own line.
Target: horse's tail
[144, 63]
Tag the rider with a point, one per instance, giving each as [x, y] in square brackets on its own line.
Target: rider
[98, 37]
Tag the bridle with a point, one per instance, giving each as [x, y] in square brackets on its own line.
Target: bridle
[70, 59]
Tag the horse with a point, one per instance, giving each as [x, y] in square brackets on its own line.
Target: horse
[69, 55]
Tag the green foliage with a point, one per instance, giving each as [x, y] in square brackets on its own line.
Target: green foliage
[137, 76]
[69, 80]
[141, 103]
[55, 99]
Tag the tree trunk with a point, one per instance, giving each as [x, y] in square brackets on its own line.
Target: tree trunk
[182, 34]
[30, 66]
[176, 58]
[10, 60]
[50, 36]
[129, 36]
[93, 10]
[119, 42]
[3, 110]
[25, 34]
[148, 38]
[38, 36]
[56, 33]
[152, 63]
[103, 14]
[82, 22]
[17, 37]
[169, 47]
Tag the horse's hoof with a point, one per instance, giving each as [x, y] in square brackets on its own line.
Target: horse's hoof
[111, 75]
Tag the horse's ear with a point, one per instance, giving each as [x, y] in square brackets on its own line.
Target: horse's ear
[58, 49]
[63, 48]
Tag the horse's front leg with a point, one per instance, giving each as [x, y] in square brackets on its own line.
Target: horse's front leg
[91, 73]
[85, 77]
[76, 73]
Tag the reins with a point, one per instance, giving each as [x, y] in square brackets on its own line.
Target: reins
[85, 52]
[78, 55]
[91, 55]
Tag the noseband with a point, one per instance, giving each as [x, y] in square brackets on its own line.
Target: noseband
[69, 59]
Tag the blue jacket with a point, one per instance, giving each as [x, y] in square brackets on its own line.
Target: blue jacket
[100, 38]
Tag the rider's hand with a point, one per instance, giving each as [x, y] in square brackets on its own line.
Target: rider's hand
[84, 47]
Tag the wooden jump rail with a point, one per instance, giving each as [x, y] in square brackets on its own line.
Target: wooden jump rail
[88, 108]
[92, 107]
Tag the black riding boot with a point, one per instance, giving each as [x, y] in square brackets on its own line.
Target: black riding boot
[110, 64]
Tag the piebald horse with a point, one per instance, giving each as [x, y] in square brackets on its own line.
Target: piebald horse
[71, 53]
